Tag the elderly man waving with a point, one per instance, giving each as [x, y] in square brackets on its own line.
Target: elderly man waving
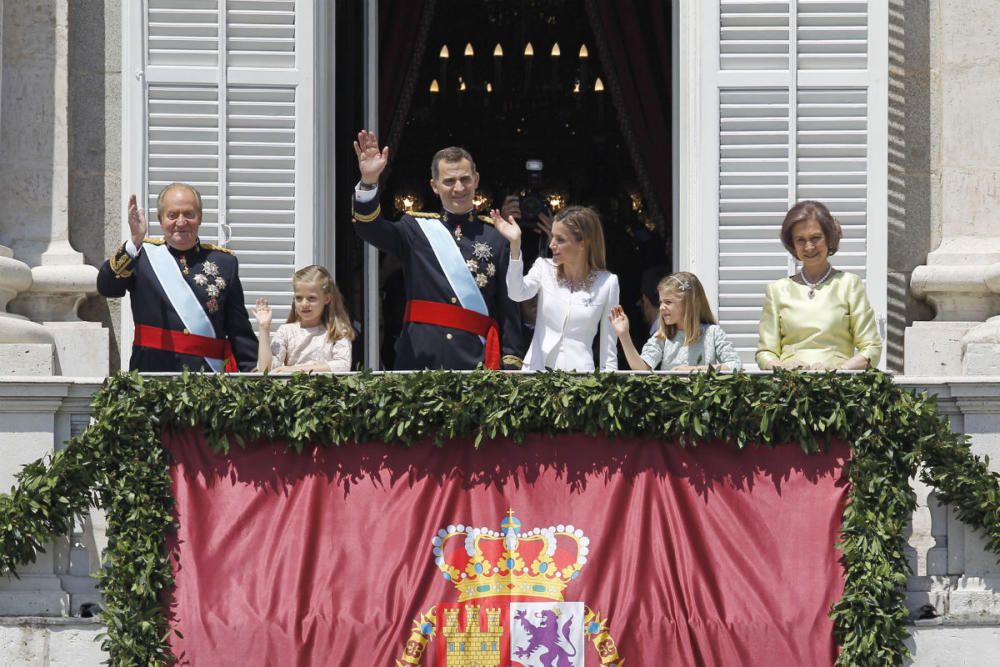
[187, 300]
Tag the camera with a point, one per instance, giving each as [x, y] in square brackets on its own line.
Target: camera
[533, 203]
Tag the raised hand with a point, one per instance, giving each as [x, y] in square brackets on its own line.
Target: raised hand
[136, 222]
[619, 321]
[371, 160]
[509, 229]
[262, 312]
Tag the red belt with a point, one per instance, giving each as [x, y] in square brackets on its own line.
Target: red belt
[185, 343]
[456, 317]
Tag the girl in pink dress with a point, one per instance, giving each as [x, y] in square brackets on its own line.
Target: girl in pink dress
[318, 334]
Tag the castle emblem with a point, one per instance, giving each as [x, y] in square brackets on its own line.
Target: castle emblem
[511, 609]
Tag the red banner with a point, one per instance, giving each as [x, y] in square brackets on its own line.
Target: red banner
[558, 552]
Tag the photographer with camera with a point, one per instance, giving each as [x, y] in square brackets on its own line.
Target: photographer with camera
[531, 210]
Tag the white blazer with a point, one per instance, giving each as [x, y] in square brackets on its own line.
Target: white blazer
[567, 321]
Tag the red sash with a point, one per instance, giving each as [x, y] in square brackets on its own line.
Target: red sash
[456, 317]
[185, 343]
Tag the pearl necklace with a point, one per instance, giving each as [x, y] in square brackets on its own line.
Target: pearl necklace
[813, 286]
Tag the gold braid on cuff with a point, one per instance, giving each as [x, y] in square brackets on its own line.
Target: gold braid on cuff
[368, 217]
[121, 263]
[511, 360]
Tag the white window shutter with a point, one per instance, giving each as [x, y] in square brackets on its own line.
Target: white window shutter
[228, 106]
[798, 88]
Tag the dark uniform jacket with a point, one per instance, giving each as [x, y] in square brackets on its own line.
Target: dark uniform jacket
[213, 274]
[487, 255]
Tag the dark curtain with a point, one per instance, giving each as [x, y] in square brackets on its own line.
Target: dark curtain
[403, 26]
[633, 42]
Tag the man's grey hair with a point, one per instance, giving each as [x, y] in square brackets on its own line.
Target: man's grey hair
[450, 154]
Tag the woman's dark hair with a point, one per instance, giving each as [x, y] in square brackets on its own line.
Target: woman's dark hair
[811, 210]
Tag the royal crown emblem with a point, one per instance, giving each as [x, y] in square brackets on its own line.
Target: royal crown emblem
[487, 563]
[511, 609]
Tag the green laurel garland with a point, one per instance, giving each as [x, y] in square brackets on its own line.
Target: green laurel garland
[118, 463]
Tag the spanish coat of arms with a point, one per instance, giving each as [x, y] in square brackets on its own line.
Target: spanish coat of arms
[510, 610]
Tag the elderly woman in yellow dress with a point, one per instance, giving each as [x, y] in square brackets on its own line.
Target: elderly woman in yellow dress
[820, 318]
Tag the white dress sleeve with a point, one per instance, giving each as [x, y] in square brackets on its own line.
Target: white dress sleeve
[608, 346]
[522, 287]
[340, 361]
[279, 345]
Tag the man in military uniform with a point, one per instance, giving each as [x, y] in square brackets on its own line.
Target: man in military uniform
[187, 300]
[454, 262]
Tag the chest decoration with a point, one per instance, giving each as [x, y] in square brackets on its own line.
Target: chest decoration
[480, 266]
[213, 284]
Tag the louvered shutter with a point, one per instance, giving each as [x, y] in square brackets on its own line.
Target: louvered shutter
[795, 93]
[227, 106]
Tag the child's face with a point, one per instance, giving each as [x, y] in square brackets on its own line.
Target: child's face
[309, 303]
[672, 308]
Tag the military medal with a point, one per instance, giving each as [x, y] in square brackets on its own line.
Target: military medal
[182, 260]
[481, 252]
[213, 284]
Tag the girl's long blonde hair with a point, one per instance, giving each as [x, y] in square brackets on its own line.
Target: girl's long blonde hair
[335, 317]
[687, 288]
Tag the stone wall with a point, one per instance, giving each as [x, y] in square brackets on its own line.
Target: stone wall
[95, 146]
[910, 145]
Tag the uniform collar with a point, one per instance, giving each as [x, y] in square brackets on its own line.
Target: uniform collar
[195, 248]
[458, 218]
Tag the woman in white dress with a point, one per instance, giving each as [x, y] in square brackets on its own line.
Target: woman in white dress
[318, 334]
[575, 293]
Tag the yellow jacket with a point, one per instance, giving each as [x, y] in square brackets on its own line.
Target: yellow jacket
[827, 328]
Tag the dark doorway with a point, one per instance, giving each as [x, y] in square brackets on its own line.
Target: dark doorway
[511, 81]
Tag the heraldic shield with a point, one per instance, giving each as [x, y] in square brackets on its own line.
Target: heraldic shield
[510, 610]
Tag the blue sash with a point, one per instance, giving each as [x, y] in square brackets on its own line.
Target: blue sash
[453, 264]
[183, 300]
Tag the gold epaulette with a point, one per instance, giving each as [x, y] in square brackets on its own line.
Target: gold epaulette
[121, 263]
[424, 214]
[367, 217]
[487, 219]
[212, 246]
[153, 241]
[511, 360]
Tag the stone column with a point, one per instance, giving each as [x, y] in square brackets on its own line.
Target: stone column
[25, 347]
[961, 278]
[34, 171]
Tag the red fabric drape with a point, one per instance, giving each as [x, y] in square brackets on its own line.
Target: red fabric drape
[633, 40]
[706, 556]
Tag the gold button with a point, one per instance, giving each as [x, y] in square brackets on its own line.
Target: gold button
[454, 299]
[187, 333]
[448, 336]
